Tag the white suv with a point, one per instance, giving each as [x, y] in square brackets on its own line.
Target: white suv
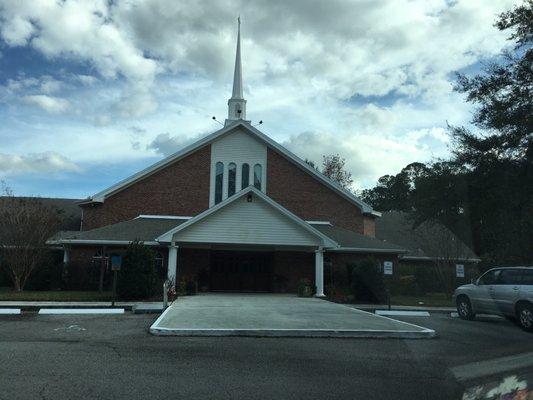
[502, 291]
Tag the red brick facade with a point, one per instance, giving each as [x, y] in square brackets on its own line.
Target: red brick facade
[305, 196]
[181, 188]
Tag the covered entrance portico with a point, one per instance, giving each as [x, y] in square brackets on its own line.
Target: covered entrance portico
[252, 244]
[241, 271]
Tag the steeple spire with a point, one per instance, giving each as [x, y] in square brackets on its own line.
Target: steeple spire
[237, 104]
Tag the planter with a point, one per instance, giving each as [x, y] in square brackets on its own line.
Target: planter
[305, 291]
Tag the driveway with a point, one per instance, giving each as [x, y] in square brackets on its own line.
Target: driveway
[276, 315]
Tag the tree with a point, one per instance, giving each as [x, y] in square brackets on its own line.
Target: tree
[25, 226]
[333, 166]
[137, 278]
[503, 95]
[394, 192]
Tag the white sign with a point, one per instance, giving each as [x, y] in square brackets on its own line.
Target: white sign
[460, 270]
[387, 267]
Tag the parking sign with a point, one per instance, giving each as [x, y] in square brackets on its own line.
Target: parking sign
[387, 268]
[459, 270]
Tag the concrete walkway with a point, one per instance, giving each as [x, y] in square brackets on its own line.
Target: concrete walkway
[276, 315]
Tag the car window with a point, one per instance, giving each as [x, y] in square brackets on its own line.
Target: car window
[527, 277]
[510, 277]
[490, 278]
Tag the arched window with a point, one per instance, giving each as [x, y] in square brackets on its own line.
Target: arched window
[258, 175]
[232, 179]
[219, 179]
[245, 179]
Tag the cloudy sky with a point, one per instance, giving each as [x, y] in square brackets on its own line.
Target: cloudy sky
[93, 91]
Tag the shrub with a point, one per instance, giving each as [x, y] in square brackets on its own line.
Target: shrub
[367, 281]
[305, 287]
[137, 278]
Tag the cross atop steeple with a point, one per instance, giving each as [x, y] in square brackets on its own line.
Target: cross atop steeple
[237, 104]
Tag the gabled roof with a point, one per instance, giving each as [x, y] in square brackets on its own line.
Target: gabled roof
[101, 196]
[327, 241]
[428, 241]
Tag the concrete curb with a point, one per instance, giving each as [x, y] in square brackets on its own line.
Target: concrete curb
[420, 333]
[9, 311]
[431, 310]
[294, 333]
[79, 311]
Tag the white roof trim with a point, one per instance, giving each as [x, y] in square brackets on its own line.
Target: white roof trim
[162, 216]
[422, 258]
[365, 208]
[319, 222]
[168, 236]
[90, 241]
[367, 250]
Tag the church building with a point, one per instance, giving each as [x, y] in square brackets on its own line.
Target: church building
[235, 210]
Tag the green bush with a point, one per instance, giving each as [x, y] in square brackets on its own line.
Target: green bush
[305, 287]
[367, 281]
[137, 278]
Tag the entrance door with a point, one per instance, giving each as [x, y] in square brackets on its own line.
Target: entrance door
[241, 271]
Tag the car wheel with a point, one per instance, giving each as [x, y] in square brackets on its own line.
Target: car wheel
[464, 308]
[525, 316]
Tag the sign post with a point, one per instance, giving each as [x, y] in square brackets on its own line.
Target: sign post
[116, 264]
[387, 271]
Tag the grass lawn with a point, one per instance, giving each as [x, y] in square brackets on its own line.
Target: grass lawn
[429, 299]
[7, 294]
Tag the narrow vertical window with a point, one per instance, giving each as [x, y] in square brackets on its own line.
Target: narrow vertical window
[219, 179]
[245, 181]
[257, 176]
[232, 179]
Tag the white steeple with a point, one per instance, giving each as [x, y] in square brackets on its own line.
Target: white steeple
[237, 104]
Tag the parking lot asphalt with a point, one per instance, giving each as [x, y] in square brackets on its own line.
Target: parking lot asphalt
[114, 356]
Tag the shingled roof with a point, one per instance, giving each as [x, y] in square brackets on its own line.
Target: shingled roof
[69, 209]
[142, 228]
[353, 241]
[429, 240]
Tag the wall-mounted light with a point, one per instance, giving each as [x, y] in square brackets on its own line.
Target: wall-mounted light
[249, 198]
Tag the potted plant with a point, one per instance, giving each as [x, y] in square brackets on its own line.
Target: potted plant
[181, 287]
[305, 287]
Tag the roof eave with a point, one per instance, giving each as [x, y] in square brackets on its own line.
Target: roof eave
[367, 250]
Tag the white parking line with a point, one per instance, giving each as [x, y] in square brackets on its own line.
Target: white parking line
[404, 313]
[492, 367]
[9, 311]
[81, 311]
[488, 316]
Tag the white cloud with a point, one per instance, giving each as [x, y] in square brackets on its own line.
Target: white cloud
[51, 104]
[36, 163]
[371, 80]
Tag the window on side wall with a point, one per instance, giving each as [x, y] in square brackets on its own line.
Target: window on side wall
[258, 170]
[219, 179]
[245, 181]
[232, 179]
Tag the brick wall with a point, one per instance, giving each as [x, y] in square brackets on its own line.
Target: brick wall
[293, 266]
[369, 226]
[181, 188]
[308, 198]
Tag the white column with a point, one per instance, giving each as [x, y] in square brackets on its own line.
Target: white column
[319, 272]
[66, 255]
[172, 262]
